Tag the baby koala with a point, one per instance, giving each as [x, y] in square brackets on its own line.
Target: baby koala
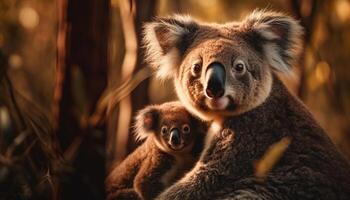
[174, 141]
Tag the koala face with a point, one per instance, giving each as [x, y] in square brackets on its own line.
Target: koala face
[173, 127]
[223, 77]
[174, 132]
[222, 69]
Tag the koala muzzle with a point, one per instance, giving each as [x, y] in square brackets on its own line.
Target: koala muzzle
[215, 80]
[175, 137]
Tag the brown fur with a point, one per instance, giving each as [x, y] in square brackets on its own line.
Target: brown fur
[153, 166]
[255, 112]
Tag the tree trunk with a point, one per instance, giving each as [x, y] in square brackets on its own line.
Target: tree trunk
[82, 60]
[307, 20]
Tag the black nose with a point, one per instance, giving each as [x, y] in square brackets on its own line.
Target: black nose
[215, 79]
[175, 137]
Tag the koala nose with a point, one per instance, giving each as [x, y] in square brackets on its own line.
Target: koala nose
[215, 80]
[175, 137]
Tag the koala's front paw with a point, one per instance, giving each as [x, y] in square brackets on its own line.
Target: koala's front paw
[177, 192]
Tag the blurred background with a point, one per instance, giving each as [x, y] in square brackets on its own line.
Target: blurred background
[72, 76]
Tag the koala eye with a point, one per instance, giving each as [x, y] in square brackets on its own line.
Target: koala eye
[196, 69]
[186, 128]
[164, 130]
[239, 67]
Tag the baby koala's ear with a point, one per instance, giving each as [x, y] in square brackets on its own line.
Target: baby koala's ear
[278, 34]
[165, 40]
[146, 122]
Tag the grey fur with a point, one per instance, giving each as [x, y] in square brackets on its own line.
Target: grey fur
[311, 167]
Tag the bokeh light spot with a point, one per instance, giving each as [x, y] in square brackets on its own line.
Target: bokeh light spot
[4, 119]
[342, 8]
[15, 61]
[28, 17]
[322, 72]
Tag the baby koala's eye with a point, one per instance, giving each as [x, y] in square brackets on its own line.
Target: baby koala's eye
[164, 130]
[239, 67]
[196, 69]
[186, 128]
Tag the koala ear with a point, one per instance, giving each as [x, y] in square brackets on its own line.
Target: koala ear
[279, 36]
[146, 122]
[165, 40]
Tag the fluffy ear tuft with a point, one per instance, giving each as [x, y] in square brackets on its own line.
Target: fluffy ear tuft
[145, 122]
[165, 40]
[280, 36]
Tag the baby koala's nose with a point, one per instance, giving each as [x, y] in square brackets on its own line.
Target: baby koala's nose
[215, 80]
[175, 137]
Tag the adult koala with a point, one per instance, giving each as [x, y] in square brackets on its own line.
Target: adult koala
[227, 73]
